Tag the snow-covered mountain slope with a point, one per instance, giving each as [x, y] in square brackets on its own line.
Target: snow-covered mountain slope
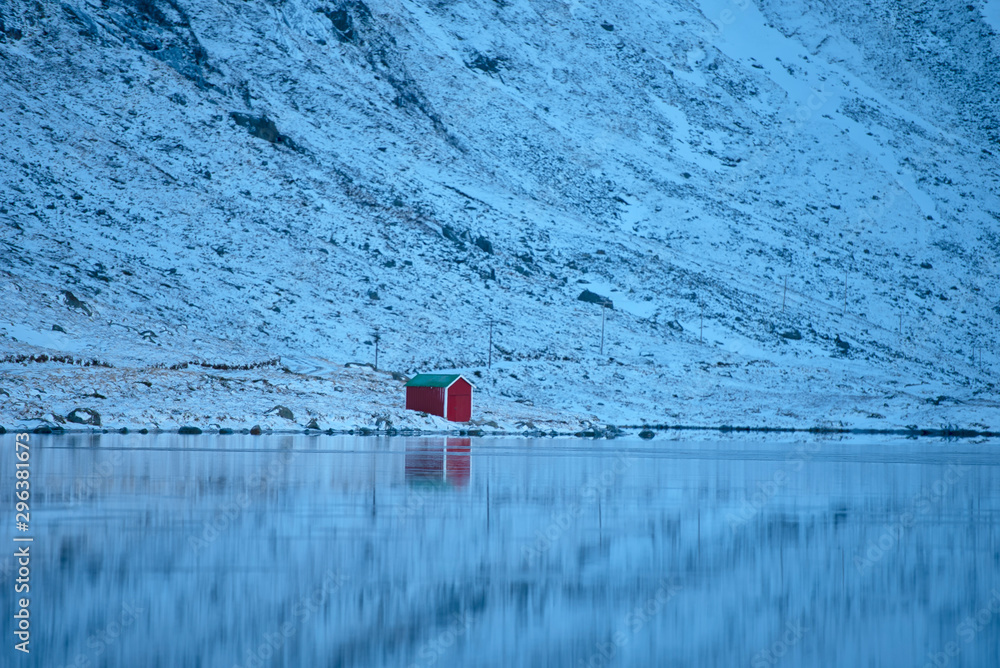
[234, 181]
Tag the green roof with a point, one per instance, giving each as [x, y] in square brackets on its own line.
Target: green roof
[433, 380]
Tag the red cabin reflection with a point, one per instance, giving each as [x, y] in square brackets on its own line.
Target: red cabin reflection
[438, 461]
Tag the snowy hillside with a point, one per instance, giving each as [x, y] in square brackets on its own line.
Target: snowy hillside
[792, 205]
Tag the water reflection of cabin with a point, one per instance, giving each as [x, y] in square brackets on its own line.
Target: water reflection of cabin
[448, 395]
[438, 461]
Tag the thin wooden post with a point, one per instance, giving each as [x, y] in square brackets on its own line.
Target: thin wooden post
[701, 334]
[845, 292]
[604, 309]
[489, 362]
[784, 295]
[377, 337]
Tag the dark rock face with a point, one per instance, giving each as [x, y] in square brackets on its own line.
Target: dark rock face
[348, 19]
[793, 334]
[85, 24]
[161, 27]
[84, 416]
[70, 300]
[594, 298]
[256, 430]
[843, 345]
[283, 412]
[313, 424]
[354, 24]
[485, 63]
[189, 430]
[342, 24]
[262, 127]
[100, 273]
[484, 244]
[9, 32]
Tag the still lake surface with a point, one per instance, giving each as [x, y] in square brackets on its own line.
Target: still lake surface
[295, 550]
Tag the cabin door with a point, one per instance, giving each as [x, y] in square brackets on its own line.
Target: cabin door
[460, 403]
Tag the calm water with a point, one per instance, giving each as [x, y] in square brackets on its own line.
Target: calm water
[246, 551]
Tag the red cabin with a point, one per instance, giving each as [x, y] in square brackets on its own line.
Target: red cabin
[446, 394]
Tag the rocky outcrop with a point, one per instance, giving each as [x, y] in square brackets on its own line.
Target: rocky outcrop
[84, 416]
[594, 298]
[264, 128]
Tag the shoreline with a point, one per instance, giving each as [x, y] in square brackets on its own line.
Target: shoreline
[646, 432]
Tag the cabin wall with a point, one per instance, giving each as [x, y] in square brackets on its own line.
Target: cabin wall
[426, 399]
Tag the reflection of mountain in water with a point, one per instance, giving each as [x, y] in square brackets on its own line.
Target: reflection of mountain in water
[440, 460]
[220, 546]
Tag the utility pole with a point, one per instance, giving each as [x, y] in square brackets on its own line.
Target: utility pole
[845, 292]
[489, 362]
[701, 334]
[784, 295]
[604, 308]
[377, 337]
